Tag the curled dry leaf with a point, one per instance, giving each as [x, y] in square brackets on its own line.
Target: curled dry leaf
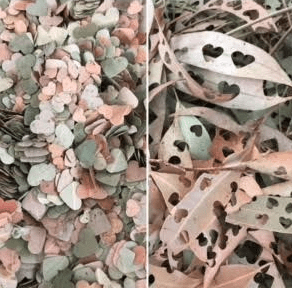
[247, 10]
[233, 57]
[276, 164]
[170, 61]
[217, 118]
[244, 91]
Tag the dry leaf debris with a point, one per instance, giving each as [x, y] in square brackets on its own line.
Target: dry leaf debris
[72, 144]
[220, 144]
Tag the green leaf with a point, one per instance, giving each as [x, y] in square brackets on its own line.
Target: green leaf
[196, 136]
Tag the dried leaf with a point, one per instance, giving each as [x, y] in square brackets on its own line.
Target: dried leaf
[230, 276]
[247, 10]
[190, 216]
[265, 212]
[232, 57]
[163, 279]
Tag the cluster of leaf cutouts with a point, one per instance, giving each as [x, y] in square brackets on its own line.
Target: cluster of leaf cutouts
[220, 144]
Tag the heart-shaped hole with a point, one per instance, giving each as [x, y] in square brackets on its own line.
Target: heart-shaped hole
[180, 214]
[262, 218]
[206, 182]
[250, 250]
[288, 208]
[264, 280]
[210, 254]
[181, 145]
[174, 160]
[167, 58]
[180, 52]
[285, 222]
[214, 236]
[236, 4]
[210, 51]
[271, 202]
[197, 129]
[281, 171]
[216, 3]
[225, 88]
[252, 14]
[227, 151]
[233, 186]
[185, 181]
[174, 198]
[203, 241]
[199, 78]
[240, 60]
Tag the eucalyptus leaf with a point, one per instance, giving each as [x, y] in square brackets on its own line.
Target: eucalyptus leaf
[196, 136]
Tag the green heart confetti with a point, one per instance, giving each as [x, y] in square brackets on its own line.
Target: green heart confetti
[40, 8]
[70, 123]
[114, 66]
[87, 244]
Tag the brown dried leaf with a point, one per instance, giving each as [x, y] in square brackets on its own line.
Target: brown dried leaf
[247, 10]
[222, 254]
[190, 216]
[268, 213]
[163, 279]
[230, 276]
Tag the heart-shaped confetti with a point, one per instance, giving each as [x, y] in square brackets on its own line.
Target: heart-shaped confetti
[40, 172]
[109, 20]
[22, 43]
[87, 244]
[114, 66]
[71, 83]
[115, 113]
[39, 8]
[5, 84]
[70, 197]
[53, 265]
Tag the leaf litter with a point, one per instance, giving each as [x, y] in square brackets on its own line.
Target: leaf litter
[220, 144]
[72, 144]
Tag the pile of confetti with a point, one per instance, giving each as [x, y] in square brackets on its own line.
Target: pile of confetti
[72, 144]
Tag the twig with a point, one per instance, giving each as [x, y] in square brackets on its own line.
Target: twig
[278, 44]
[186, 169]
[259, 20]
[288, 15]
[177, 167]
[160, 88]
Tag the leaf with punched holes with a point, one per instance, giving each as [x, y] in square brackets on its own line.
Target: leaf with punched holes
[265, 212]
[238, 58]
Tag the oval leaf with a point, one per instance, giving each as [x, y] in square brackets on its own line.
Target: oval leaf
[224, 54]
